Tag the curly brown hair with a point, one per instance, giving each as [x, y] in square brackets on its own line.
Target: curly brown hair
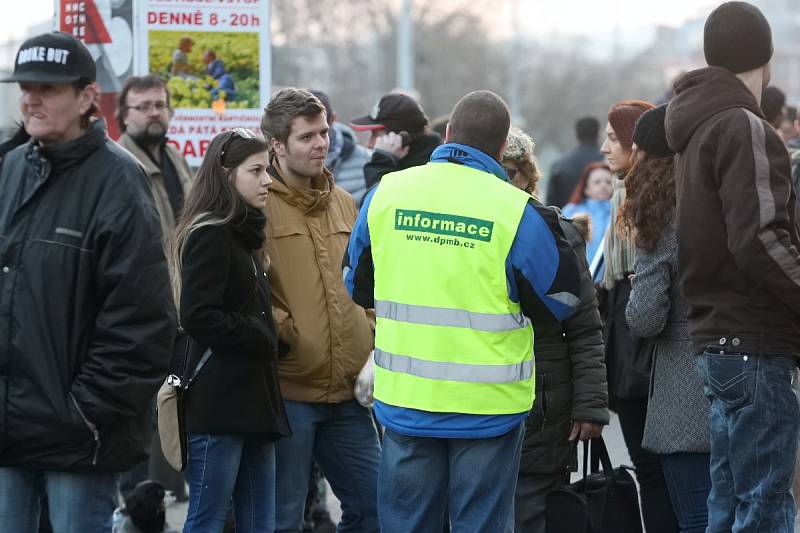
[649, 201]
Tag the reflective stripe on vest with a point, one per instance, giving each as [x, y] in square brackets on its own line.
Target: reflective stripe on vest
[454, 371]
[442, 316]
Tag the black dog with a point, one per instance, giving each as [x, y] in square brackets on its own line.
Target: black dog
[144, 510]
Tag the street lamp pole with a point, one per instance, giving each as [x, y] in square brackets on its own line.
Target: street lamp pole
[405, 48]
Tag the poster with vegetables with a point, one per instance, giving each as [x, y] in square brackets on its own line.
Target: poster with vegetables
[215, 58]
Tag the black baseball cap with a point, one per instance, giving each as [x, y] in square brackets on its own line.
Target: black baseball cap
[55, 57]
[393, 112]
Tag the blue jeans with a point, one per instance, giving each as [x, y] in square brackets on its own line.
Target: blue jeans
[222, 467]
[421, 476]
[78, 503]
[689, 482]
[342, 439]
[754, 423]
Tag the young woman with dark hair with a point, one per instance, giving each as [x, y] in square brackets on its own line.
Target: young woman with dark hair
[592, 197]
[234, 410]
[676, 427]
[628, 356]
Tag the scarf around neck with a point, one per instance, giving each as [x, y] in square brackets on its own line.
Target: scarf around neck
[461, 154]
[618, 251]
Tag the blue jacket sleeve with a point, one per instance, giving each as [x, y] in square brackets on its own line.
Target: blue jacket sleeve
[542, 269]
[357, 267]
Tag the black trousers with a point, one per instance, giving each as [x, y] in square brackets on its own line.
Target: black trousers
[529, 500]
[657, 511]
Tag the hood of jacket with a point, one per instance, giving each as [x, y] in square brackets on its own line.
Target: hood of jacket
[311, 201]
[701, 94]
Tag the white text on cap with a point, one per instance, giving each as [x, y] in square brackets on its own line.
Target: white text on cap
[44, 54]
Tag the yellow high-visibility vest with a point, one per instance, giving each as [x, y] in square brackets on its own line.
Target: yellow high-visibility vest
[448, 337]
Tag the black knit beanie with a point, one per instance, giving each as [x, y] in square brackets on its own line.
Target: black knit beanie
[650, 134]
[737, 37]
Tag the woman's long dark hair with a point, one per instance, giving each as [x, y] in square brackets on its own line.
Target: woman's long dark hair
[650, 199]
[213, 199]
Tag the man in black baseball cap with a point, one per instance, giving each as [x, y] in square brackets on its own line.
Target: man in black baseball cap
[86, 313]
[398, 134]
[56, 74]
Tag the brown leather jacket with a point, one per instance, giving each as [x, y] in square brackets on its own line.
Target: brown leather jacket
[329, 336]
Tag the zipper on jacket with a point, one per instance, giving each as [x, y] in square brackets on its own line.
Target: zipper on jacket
[91, 427]
[544, 400]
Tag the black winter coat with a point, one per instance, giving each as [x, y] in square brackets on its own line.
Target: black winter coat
[566, 172]
[570, 376]
[628, 357]
[86, 313]
[226, 306]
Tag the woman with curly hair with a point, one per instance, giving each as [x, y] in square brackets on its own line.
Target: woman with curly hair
[627, 356]
[676, 425]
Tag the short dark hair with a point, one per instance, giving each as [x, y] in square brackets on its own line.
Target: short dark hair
[772, 102]
[325, 100]
[86, 118]
[481, 119]
[137, 84]
[284, 106]
[587, 129]
[790, 112]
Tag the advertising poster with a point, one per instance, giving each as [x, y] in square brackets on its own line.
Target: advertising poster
[215, 57]
[106, 27]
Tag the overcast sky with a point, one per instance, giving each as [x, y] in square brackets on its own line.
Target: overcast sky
[539, 17]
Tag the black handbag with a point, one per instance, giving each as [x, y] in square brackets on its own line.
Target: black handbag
[605, 501]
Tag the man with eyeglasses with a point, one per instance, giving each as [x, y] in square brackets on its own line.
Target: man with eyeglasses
[143, 114]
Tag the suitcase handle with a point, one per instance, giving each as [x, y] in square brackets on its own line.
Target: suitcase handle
[599, 454]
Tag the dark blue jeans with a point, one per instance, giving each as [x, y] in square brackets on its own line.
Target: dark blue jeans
[342, 439]
[689, 482]
[78, 503]
[754, 422]
[222, 467]
[477, 477]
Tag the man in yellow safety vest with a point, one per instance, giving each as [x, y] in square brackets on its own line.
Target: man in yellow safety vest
[460, 267]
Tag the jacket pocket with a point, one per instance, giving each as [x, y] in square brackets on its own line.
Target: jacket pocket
[90, 426]
[289, 230]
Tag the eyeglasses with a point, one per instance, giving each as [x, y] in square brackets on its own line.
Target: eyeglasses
[242, 133]
[510, 172]
[146, 107]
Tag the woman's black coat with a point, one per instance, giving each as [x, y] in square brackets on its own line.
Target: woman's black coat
[225, 306]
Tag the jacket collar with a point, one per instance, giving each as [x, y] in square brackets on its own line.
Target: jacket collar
[461, 154]
[63, 155]
[312, 200]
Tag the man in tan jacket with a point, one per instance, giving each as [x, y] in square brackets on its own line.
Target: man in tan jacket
[143, 115]
[327, 337]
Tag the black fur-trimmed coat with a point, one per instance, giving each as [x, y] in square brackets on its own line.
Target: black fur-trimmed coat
[570, 373]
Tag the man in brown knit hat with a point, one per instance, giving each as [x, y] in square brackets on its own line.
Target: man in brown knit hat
[739, 270]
